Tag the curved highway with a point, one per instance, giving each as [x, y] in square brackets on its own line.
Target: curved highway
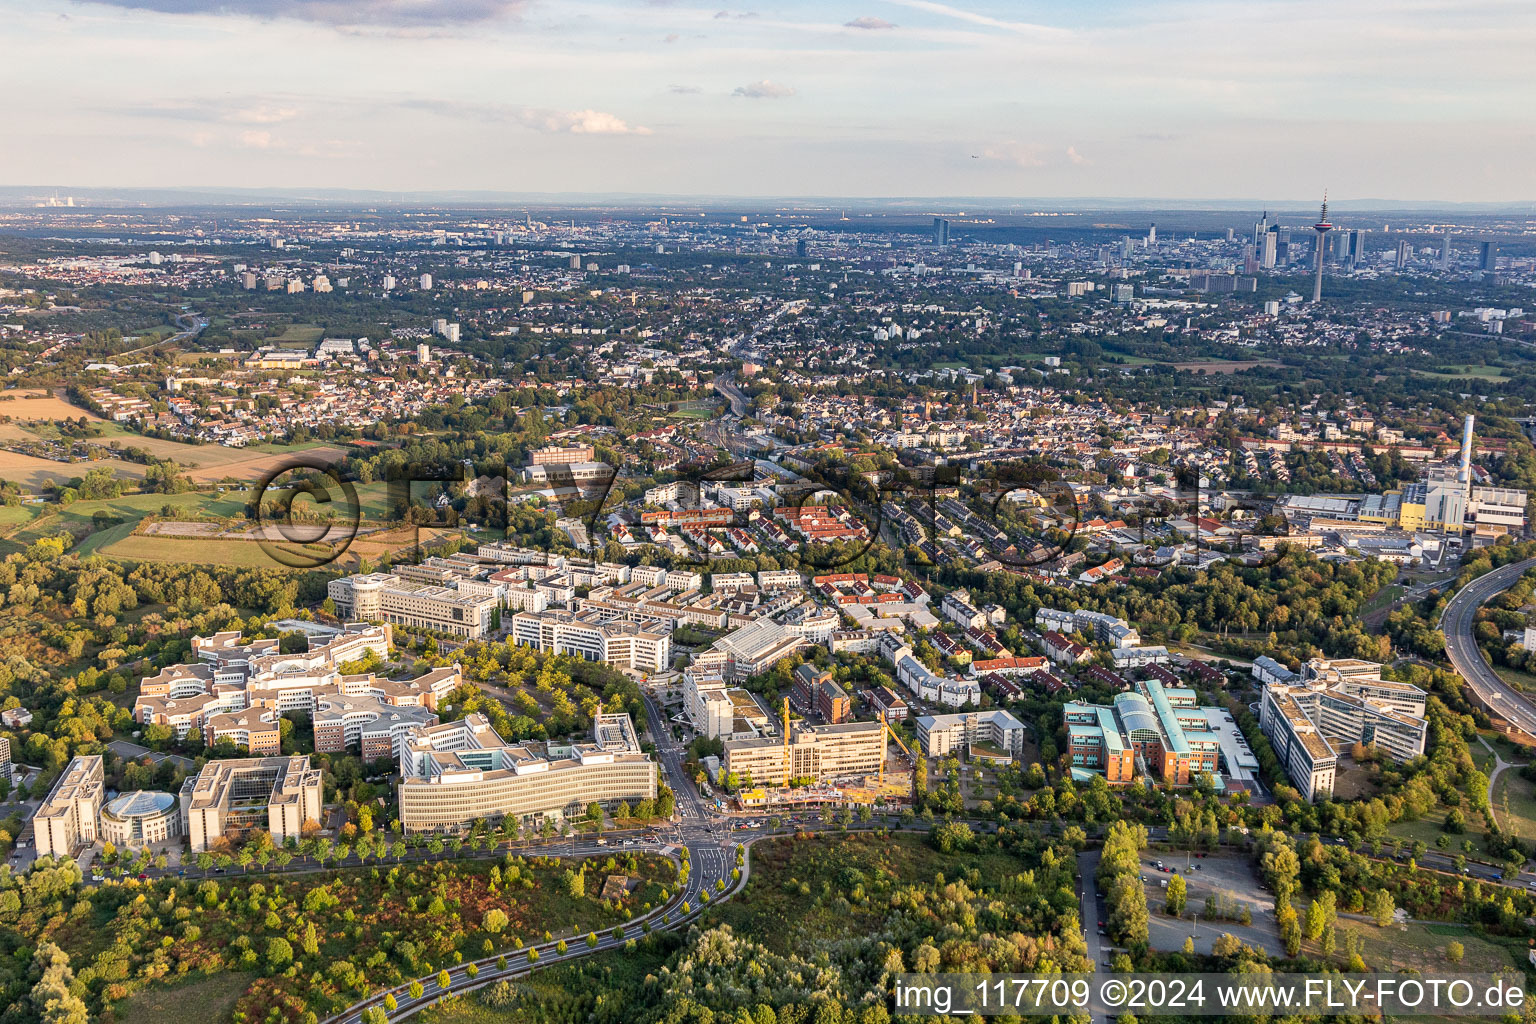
[710, 867]
[1456, 622]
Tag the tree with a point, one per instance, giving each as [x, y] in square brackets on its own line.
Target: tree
[375, 1015]
[1176, 895]
[444, 979]
[1454, 952]
[279, 953]
[1382, 907]
[415, 990]
[52, 996]
[311, 942]
[494, 921]
[591, 940]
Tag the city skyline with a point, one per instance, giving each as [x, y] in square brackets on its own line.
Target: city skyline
[874, 98]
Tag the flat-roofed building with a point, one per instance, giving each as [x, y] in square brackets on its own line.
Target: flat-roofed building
[457, 773]
[1154, 729]
[385, 597]
[594, 636]
[1344, 701]
[233, 797]
[995, 735]
[373, 727]
[70, 815]
[817, 752]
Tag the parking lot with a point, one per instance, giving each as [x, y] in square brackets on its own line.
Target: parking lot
[1223, 876]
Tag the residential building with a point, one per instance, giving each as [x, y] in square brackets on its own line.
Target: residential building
[993, 735]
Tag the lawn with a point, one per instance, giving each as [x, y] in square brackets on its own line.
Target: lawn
[207, 1000]
[1465, 372]
[1429, 828]
[1514, 803]
[1422, 948]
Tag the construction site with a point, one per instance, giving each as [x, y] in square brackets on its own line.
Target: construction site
[814, 765]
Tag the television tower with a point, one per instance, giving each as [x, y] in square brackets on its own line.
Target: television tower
[1322, 227]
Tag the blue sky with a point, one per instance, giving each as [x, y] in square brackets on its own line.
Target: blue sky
[1400, 99]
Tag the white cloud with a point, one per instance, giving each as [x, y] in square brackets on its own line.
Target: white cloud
[1016, 153]
[359, 13]
[764, 90]
[1076, 157]
[262, 115]
[256, 139]
[869, 23]
[582, 122]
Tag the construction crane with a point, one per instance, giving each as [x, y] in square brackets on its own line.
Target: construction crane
[786, 742]
[892, 734]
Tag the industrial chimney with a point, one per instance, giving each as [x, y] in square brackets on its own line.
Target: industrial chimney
[1466, 452]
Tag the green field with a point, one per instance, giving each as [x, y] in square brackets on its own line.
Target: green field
[307, 334]
[1465, 372]
[208, 1000]
[1520, 795]
[239, 553]
[1422, 947]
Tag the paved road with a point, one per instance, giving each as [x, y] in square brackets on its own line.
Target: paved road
[1091, 907]
[1456, 622]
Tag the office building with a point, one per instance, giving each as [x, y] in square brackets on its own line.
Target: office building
[554, 454]
[1487, 256]
[940, 231]
[383, 597]
[992, 735]
[239, 690]
[593, 636]
[134, 820]
[1334, 703]
[457, 773]
[1404, 253]
[7, 770]
[70, 815]
[1156, 729]
[232, 798]
[813, 753]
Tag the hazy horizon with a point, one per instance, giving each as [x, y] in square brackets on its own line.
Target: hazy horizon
[868, 98]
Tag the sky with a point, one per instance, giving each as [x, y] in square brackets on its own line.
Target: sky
[1389, 99]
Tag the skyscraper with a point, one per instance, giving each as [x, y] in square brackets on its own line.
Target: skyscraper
[1267, 257]
[940, 231]
[1322, 227]
[1445, 250]
[1488, 254]
[1404, 253]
